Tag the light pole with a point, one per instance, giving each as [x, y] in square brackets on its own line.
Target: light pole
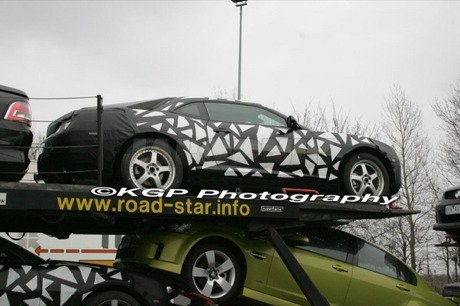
[240, 4]
[455, 260]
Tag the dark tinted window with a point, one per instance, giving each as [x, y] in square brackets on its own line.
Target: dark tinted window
[192, 110]
[377, 260]
[330, 244]
[240, 113]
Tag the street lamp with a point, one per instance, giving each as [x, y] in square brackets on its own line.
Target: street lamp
[240, 4]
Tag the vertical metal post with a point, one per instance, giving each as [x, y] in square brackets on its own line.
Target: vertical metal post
[100, 151]
[240, 48]
[304, 282]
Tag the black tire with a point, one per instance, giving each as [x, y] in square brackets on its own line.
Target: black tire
[364, 174]
[106, 298]
[204, 272]
[151, 163]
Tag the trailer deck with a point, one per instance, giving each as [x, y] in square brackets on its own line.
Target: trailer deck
[61, 210]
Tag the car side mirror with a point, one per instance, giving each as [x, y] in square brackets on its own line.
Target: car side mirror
[292, 123]
[297, 240]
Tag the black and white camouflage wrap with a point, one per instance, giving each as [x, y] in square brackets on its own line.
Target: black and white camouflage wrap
[51, 284]
[68, 284]
[246, 148]
[250, 150]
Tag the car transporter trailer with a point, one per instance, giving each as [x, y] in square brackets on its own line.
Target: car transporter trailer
[61, 210]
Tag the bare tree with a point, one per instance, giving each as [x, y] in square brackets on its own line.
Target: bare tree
[35, 149]
[403, 128]
[448, 111]
[321, 118]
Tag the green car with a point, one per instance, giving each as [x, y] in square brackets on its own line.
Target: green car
[223, 262]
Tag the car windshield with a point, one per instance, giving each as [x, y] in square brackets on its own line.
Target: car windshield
[11, 253]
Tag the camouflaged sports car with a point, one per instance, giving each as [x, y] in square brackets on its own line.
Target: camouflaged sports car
[26, 279]
[196, 142]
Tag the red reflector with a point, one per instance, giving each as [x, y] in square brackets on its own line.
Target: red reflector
[19, 111]
[288, 190]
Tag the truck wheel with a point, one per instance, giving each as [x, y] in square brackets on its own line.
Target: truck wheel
[151, 163]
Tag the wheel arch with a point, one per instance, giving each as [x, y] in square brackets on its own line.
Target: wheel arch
[149, 135]
[366, 149]
[116, 287]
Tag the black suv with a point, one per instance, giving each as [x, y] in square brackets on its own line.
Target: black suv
[15, 134]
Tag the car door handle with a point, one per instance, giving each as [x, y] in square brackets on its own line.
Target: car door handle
[402, 287]
[222, 130]
[339, 268]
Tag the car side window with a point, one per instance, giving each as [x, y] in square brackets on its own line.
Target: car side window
[245, 114]
[191, 110]
[377, 260]
[406, 275]
[323, 243]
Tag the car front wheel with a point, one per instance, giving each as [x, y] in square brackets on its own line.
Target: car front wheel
[364, 174]
[151, 163]
[213, 271]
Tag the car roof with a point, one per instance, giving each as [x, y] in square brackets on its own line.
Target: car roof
[149, 104]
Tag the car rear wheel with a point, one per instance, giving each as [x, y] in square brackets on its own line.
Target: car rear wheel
[111, 298]
[151, 163]
[213, 271]
[364, 174]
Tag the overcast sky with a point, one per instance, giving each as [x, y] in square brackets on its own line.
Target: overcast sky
[348, 52]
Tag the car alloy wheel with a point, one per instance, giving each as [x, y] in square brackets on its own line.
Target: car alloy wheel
[364, 174]
[151, 164]
[213, 271]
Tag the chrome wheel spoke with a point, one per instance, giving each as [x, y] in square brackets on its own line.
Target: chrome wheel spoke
[211, 259]
[362, 189]
[157, 181]
[207, 289]
[364, 169]
[224, 284]
[141, 164]
[153, 157]
[143, 178]
[199, 272]
[163, 169]
[373, 176]
[226, 266]
[373, 189]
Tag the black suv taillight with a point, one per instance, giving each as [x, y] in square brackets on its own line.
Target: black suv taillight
[19, 111]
